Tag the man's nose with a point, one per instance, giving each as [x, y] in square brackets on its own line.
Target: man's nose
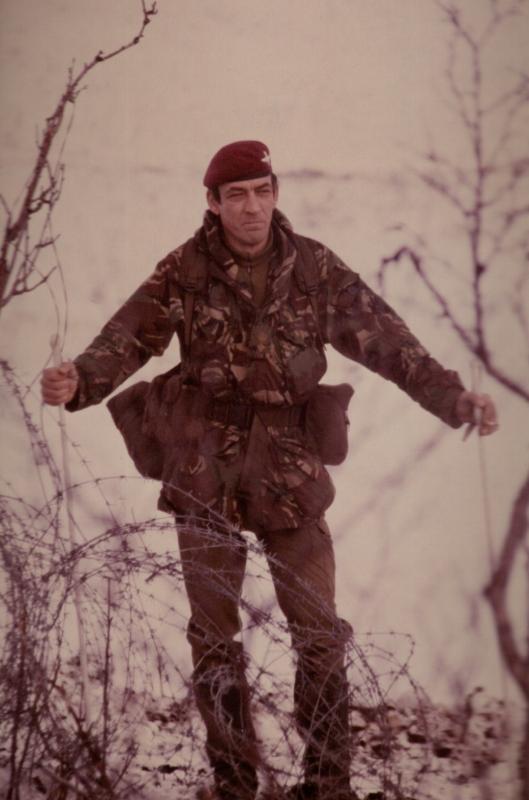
[252, 202]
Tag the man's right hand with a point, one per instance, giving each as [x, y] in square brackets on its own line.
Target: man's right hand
[59, 384]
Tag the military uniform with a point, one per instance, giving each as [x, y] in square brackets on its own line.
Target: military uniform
[249, 357]
[237, 457]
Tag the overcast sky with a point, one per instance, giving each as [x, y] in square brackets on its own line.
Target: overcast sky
[339, 84]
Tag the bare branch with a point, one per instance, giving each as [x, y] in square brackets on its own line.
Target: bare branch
[458, 175]
[496, 180]
[496, 591]
[516, 101]
[446, 311]
[516, 94]
[498, 17]
[518, 307]
[36, 198]
[476, 345]
[26, 289]
[445, 190]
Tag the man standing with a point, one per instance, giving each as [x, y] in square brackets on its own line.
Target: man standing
[253, 305]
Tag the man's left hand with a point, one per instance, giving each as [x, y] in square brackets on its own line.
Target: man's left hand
[478, 410]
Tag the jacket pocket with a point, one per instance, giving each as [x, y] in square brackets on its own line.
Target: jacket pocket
[127, 409]
[158, 419]
[305, 369]
[302, 475]
[326, 421]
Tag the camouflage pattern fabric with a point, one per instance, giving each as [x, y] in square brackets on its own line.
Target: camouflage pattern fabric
[267, 356]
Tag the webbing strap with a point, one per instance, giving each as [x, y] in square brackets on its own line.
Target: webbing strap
[192, 273]
[307, 274]
[189, 302]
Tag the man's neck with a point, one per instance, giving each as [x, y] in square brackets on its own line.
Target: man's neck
[251, 253]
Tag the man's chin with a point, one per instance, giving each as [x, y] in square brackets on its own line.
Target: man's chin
[254, 236]
[248, 237]
[254, 229]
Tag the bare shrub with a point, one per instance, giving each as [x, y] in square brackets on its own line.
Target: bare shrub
[485, 191]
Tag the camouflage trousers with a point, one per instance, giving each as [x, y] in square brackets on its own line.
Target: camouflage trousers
[302, 566]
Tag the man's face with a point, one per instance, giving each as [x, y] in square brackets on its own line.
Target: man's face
[245, 210]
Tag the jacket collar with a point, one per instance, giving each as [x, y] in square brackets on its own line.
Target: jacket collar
[224, 266]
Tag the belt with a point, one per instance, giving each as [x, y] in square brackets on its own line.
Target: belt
[241, 414]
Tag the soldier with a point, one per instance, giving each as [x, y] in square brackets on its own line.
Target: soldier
[239, 433]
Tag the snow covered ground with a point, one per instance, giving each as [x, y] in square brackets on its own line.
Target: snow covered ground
[419, 752]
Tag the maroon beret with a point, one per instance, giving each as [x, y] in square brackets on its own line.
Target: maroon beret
[238, 161]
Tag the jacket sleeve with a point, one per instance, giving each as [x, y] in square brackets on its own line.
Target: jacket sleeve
[363, 327]
[141, 328]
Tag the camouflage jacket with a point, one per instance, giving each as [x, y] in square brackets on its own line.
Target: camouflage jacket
[263, 475]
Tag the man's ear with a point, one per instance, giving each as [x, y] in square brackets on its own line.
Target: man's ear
[212, 202]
